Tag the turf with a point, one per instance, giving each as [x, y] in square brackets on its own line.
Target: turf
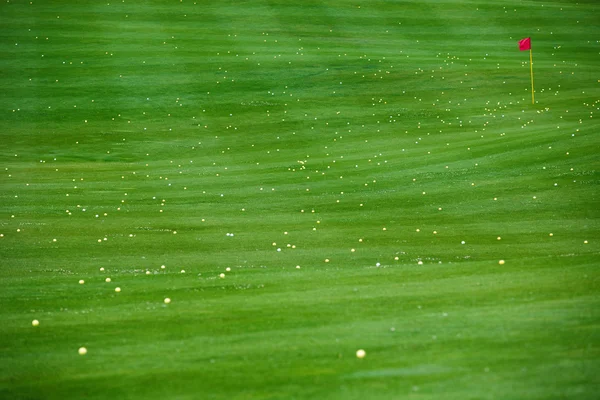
[360, 167]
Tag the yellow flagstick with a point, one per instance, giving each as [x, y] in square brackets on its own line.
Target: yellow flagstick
[531, 67]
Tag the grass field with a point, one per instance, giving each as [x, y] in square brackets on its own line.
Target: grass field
[356, 170]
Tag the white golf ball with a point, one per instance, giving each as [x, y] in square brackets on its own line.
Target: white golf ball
[227, 269]
[82, 351]
[222, 276]
[81, 281]
[35, 322]
[117, 289]
[361, 353]
[501, 262]
[167, 300]
[107, 280]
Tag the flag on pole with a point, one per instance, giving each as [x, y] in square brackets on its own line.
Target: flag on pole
[525, 44]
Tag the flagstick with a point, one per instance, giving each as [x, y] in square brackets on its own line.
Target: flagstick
[531, 67]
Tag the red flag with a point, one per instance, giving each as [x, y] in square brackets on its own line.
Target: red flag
[525, 44]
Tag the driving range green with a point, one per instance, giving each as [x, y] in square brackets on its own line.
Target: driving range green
[303, 180]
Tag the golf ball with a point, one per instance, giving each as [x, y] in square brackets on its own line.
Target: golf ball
[107, 280]
[81, 281]
[167, 300]
[501, 262]
[222, 276]
[117, 289]
[361, 353]
[35, 322]
[82, 351]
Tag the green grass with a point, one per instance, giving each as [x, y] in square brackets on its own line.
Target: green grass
[366, 140]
